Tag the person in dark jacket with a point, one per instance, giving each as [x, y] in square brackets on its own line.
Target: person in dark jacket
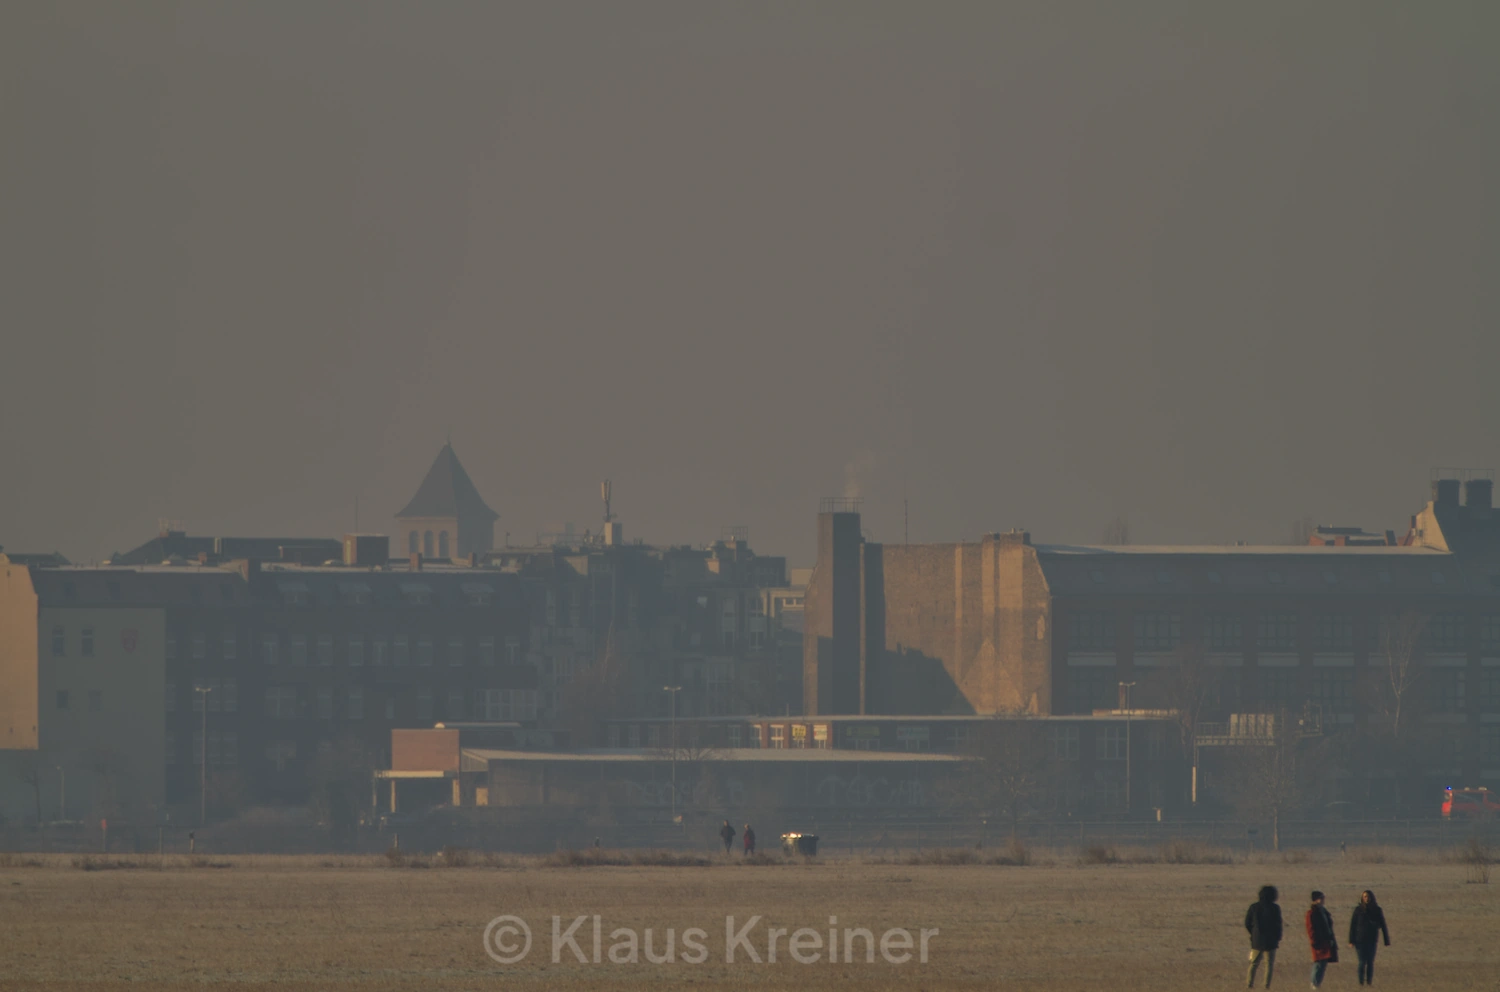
[1366, 926]
[1325, 945]
[1263, 923]
[726, 834]
[749, 841]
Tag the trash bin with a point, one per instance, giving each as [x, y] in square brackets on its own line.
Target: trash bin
[804, 844]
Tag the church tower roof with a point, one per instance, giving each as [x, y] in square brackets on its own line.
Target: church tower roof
[447, 491]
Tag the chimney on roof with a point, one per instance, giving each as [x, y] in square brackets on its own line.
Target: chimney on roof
[1445, 492]
[1479, 494]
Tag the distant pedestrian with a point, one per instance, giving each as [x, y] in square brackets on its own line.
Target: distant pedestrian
[749, 840]
[1366, 926]
[1263, 923]
[726, 834]
[1325, 946]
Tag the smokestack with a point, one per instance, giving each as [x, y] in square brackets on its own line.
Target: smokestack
[1445, 492]
[1479, 494]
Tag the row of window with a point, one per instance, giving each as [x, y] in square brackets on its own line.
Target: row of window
[1162, 631]
[286, 702]
[357, 650]
[1444, 690]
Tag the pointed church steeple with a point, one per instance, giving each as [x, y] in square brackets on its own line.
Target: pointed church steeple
[447, 518]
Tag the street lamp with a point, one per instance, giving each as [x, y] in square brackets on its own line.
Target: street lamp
[674, 690]
[1127, 686]
[203, 691]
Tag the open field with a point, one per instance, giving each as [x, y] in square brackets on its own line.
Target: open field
[318, 923]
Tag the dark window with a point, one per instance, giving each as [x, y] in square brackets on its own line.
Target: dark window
[1157, 631]
[1489, 633]
[1445, 632]
[1447, 688]
[1489, 688]
[443, 544]
[1277, 632]
[1223, 632]
[1092, 688]
[1279, 688]
[1334, 689]
[1091, 631]
[427, 544]
[1333, 632]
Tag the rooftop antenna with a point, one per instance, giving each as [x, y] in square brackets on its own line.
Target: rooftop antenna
[605, 491]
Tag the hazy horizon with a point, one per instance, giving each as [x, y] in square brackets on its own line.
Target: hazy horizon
[1212, 270]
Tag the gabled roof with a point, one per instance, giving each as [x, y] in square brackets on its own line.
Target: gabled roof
[447, 492]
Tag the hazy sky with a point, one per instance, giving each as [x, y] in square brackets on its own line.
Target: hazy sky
[1211, 266]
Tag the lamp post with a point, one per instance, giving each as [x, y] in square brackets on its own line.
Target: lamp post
[62, 798]
[673, 690]
[203, 691]
[1127, 686]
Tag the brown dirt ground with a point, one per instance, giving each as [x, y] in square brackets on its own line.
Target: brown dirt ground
[316, 924]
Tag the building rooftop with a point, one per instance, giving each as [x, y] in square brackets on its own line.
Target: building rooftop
[447, 491]
[792, 755]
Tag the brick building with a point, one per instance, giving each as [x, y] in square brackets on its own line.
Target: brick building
[1005, 625]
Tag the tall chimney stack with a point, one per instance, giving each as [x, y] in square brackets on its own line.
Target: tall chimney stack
[1479, 494]
[1445, 492]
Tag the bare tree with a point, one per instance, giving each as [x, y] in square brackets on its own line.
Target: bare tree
[1011, 772]
[1271, 779]
[1400, 647]
[1117, 531]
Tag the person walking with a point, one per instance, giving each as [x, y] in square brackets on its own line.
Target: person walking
[1366, 926]
[1263, 923]
[726, 834]
[1325, 946]
[749, 840]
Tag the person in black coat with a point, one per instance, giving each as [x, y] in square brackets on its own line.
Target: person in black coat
[726, 834]
[1366, 926]
[1263, 923]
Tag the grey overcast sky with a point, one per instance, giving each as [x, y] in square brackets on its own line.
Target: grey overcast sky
[1214, 267]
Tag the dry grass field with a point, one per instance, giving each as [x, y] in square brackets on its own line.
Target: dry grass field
[361, 923]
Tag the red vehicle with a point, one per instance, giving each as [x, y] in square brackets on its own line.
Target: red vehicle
[1478, 803]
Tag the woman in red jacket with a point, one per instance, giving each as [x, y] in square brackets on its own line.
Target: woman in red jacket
[1325, 946]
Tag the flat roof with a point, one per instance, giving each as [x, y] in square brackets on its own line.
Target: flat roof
[1282, 550]
[908, 717]
[793, 755]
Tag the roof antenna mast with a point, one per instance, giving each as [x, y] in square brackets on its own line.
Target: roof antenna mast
[605, 491]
